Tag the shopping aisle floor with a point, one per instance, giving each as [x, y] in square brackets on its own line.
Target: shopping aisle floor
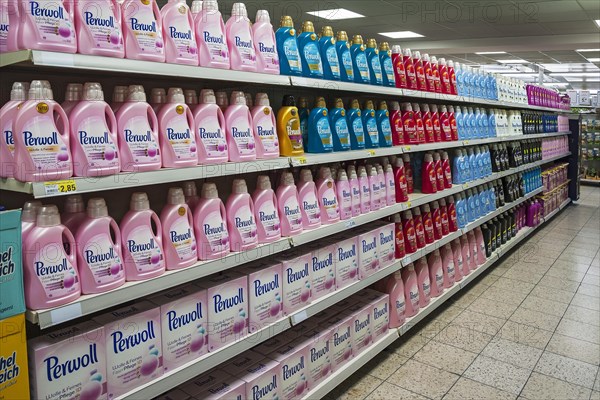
[528, 329]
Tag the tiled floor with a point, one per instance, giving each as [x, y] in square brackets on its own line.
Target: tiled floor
[528, 329]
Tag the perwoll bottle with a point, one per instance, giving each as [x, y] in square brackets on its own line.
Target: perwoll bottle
[211, 36]
[8, 113]
[240, 218]
[239, 39]
[289, 206]
[178, 231]
[178, 33]
[264, 126]
[267, 59]
[307, 193]
[210, 130]
[210, 224]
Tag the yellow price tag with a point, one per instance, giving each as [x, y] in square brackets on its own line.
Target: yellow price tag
[466, 142]
[408, 204]
[371, 152]
[60, 187]
[466, 186]
[406, 148]
[299, 161]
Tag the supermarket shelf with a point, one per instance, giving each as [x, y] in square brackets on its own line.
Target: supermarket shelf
[560, 208]
[590, 181]
[339, 156]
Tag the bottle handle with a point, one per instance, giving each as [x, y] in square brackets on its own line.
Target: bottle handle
[157, 223]
[117, 233]
[72, 250]
[152, 119]
[62, 117]
[111, 120]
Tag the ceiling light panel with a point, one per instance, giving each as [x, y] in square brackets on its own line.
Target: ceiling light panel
[482, 53]
[586, 50]
[335, 14]
[513, 61]
[401, 34]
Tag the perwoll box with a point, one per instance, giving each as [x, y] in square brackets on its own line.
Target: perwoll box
[52, 358]
[262, 380]
[175, 394]
[341, 340]
[362, 335]
[229, 388]
[239, 364]
[386, 245]
[345, 304]
[133, 346]
[12, 297]
[293, 372]
[200, 383]
[319, 354]
[296, 282]
[14, 381]
[346, 261]
[184, 322]
[379, 303]
[227, 308]
[269, 346]
[322, 272]
[368, 261]
[265, 290]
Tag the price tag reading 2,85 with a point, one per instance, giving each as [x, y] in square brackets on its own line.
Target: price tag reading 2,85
[60, 187]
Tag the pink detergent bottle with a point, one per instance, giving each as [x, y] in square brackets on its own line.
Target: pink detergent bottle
[94, 139]
[210, 126]
[344, 194]
[458, 260]
[395, 289]
[28, 217]
[289, 206]
[99, 250]
[46, 25]
[10, 20]
[73, 95]
[268, 225]
[158, 98]
[142, 29]
[436, 273]
[143, 254]
[178, 232]
[375, 188]
[411, 291]
[239, 39]
[50, 265]
[423, 281]
[355, 190]
[240, 218]
[177, 132]
[480, 246]
[267, 59]
[98, 27]
[240, 136]
[210, 34]
[474, 249]
[119, 96]
[327, 195]
[365, 190]
[191, 194]
[264, 127]
[74, 213]
[8, 113]
[382, 186]
[137, 131]
[391, 185]
[307, 194]
[210, 224]
[41, 135]
[178, 32]
[448, 266]
[466, 252]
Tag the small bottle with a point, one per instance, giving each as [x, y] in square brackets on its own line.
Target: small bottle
[289, 206]
[289, 128]
[268, 225]
[264, 127]
[427, 224]
[178, 234]
[436, 273]
[428, 174]
[423, 281]
[355, 190]
[327, 196]
[400, 250]
[411, 291]
[397, 300]
[401, 189]
[365, 190]
[408, 173]
[241, 222]
[419, 228]
[307, 193]
[436, 217]
[210, 224]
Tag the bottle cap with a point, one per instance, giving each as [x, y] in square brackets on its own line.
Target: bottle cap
[369, 105]
[406, 107]
[434, 60]
[306, 175]
[287, 179]
[249, 101]
[302, 102]
[411, 267]
[406, 158]
[239, 10]
[175, 196]
[426, 208]
[383, 105]
[74, 92]
[47, 215]
[451, 109]
[189, 189]
[136, 93]
[436, 205]
[286, 22]
[120, 94]
[239, 186]
[262, 99]
[288, 101]
[92, 91]
[342, 36]
[238, 98]
[426, 57]
[339, 103]
[399, 163]
[362, 171]
[327, 31]
[222, 99]
[384, 46]
[436, 156]
[355, 104]
[320, 102]
[394, 106]
[408, 214]
[325, 173]
[74, 204]
[96, 208]
[39, 91]
[424, 107]
[196, 6]
[434, 108]
[444, 155]
[19, 91]
[30, 210]
[263, 16]
[191, 98]
[450, 200]
[357, 39]
[352, 173]
[373, 171]
[372, 44]
[428, 158]
[209, 191]
[341, 175]
[416, 107]
[450, 63]
[397, 218]
[263, 182]
[139, 202]
[207, 96]
[396, 49]
[308, 26]
[417, 55]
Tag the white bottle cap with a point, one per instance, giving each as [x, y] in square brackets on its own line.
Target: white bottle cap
[209, 191]
[73, 92]
[306, 175]
[379, 169]
[74, 204]
[249, 101]
[426, 208]
[239, 10]
[139, 202]
[428, 158]
[450, 200]
[136, 93]
[287, 179]
[196, 6]
[442, 203]
[434, 108]
[396, 49]
[426, 57]
[351, 168]
[417, 54]
[38, 91]
[436, 156]
[385, 162]
[406, 107]
[425, 108]
[19, 91]
[191, 98]
[388, 168]
[47, 215]
[362, 171]
[394, 106]
[189, 189]
[222, 99]
[97, 208]
[342, 176]
[175, 196]
[30, 211]
[238, 98]
[399, 163]
[444, 155]
[396, 218]
[415, 107]
[175, 96]
[436, 205]
[263, 16]
[451, 109]
[442, 61]
[444, 109]
[417, 211]
[407, 52]
[373, 171]
[158, 96]
[239, 186]
[210, 5]
[207, 96]
[263, 182]
[408, 214]
[406, 158]
[352, 174]
[325, 173]
[92, 91]
[120, 94]
[262, 99]
[450, 63]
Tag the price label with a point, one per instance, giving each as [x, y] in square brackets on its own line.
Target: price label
[350, 223]
[406, 148]
[371, 153]
[466, 142]
[60, 187]
[466, 186]
[408, 204]
[299, 317]
[298, 161]
[407, 260]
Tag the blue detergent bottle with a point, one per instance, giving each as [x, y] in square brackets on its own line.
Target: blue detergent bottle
[339, 127]
[460, 79]
[485, 120]
[460, 123]
[387, 67]
[372, 53]
[473, 174]
[342, 48]
[471, 214]
[461, 210]
[359, 60]
[479, 123]
[303, 114]
[312, 66]
[473, 134]
[355, 126]
[287, 48]
[370, 123]
[457, 173]
[383, 125]
[329, 57]
[492, 123]
[319, 129]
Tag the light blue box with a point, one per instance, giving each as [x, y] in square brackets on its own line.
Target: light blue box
[12, 296]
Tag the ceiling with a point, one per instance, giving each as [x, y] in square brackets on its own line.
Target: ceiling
[540, 32]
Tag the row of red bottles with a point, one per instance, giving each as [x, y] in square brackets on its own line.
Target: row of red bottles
[436, 174]
[426, 74]
[414, 123]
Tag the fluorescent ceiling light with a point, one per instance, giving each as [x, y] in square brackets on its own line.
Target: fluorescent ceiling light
[597, 22]
[586, 50]
[335, 13]
[556, 84]
[401, 34]
[582, 79]
[482, 53]
[514, 61]
[593, 59]
[567, 67]
[576, 74]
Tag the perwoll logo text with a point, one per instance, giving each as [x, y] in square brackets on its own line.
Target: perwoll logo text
[236, 133]
[95, 21]
[266, 49]
[315, 354]
[264, 288]
[312, 55]
[329, 203]
[4, 28]
[242, 43]
[260, 131]
[260, 392]
[41, 269]
[9, 369]
[37, 11]
[296, 276]
[290, 49]
[55, 369]
[213, 39]
[221, 304]
[31, 140]
[344, 255]
[360, 325]
[240, 223]
[384, 239]
[323, 129]
[9, 138]
[288, 372]
[122, 343]
[209, 135]
[380, 313]
[264, 217]
[92, 258]
[368, 246]
[180, 35]
[133, 247]
[178, 321]
[172, 135]
[319, 265]
[136, 26]
[310, 207]
[84, 139]
[339, 339]
[180, 238]
[131, 137]
[7, 266]
[291, 212]
[208, 230]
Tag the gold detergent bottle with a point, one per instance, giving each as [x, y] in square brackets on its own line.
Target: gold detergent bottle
[288, 128]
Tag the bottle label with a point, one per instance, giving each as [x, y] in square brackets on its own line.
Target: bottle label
[330, 203]
[324, 132]
[388, 68]
[182, 35]
[386, 129]
[212, 140]
[268, 50]
[181, 237]
[414, 296]
[358, 129]
[51, 20]
[140, 140]
[214, 39]
[268, 218]
[341, 129]
[266, 133]
[451, 270]
[427, 288]
[98, 146]
[313, 59]
[102, 259]
[294, 131]
[140, 20]
[214, 228]
[244, 45]
[245, 225]
[292, 214]
[332, 60]
[400, 72]
[439, 279]
[55, 272]
[242, 136]
[362, 66]
[180, 136]
[310, 207]
[45, 145]
[290, 48]
[376, 67]
[7, 134]
[347, 63]
[145, 252]
[4, 30]
[372, 131]
[428, 226]
[400, 306]
[105, 28]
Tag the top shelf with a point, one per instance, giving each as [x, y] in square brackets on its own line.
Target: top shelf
[38, 58]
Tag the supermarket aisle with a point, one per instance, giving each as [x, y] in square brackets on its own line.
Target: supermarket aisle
[528, 329]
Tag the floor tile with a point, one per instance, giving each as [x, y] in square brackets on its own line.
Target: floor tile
[555, 295]
[582, 300]
[384, 364]
[407, 346]
[387, 391]
[557, 272]
[446, 357]
[546, 387]
[479, 322]
[589, 290]
[545, 306]
[512, 353]
[559, 283]
[534, 318]
[567, 369]
[584, 315]
[498, 374]
[524, 334]
[579, 330]
[574, 348]
[514, 285]
[432, 327]
[448, 314]
[488, 279]
[493, 307]
[418, 377]
[464, 338]
[588, 252]
[357, 389]
[590, 279]
[467, 389]
[575, 258]
[465, 300]
[595, 395]
[503, 295]
[519, 273]
[570, 266]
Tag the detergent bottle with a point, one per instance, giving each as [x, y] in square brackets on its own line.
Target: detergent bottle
[400, 251]
[329, 56]
[210, 224]
[327, 196]
[73, 95]
[191, 194]
[397, 300]
[119, 96]
[435, 70]
[319, 130]
[427, 123]
[240, 136]
[308, 46]
[359, 60]
[142, 30]
[8, 113]
[289, 206]
[211, 36]
[304, 114]
[10, 20]
[419, 122]
[409, 67]
[423, 281]
[309, 205]
[428, 71]
[370, 123]
[267, 58]
[419, 71]
[210, 130]
[289, 132]
[383, 125]
[354, 189]
[408, 172]
[399, 69]
[268, 225]
[158, 98]
[342, 48]
[339, 127]
[344, 194]
[241, 222]
[411, 291]
[45, 25]
[375, 71]
[73, 216]
[365, 190]
[355, 126]
[396, 124]
[387, 67]
[98, 28]
[428, 174]
[264, 127]
[401, 189]
[239, 39]
[409, 125]
[178, 32]
[287, 48]
[435, 119]
[178, 231]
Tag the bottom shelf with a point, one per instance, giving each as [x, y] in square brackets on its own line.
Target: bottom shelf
[345, 372]
[591, 181]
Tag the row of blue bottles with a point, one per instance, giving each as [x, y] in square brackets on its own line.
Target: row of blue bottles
[475, 203]
[475, 123]
[532, 179]
[475, 83]
[471, 164]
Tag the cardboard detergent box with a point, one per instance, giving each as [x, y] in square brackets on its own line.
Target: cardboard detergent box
[12, 296]
[14, 378]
